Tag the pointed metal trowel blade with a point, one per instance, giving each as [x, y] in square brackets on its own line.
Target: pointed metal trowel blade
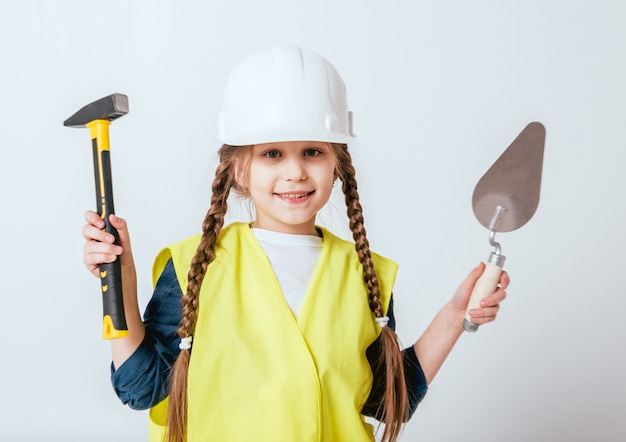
[507, 195]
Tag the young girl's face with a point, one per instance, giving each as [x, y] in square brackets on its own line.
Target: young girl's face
[289, 182]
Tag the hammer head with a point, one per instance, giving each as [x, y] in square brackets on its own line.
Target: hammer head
[107, 108]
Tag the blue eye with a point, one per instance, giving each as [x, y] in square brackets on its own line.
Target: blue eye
[311, 152]
[271, 154]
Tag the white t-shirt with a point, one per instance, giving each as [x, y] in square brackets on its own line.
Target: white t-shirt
[293, 258]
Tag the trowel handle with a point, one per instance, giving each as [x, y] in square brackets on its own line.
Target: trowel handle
[485, 286]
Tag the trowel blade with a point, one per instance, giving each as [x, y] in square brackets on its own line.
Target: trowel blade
[507, 195]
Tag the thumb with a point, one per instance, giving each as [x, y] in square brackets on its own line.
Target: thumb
[463, 293]
[122, 231]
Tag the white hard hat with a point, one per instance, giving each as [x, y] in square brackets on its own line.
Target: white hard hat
[284, 93]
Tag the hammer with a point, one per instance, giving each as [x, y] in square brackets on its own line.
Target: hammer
[97, 116]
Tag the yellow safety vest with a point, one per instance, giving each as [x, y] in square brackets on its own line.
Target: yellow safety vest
[259, 374]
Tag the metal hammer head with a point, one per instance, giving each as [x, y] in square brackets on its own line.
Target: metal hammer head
[107, 108]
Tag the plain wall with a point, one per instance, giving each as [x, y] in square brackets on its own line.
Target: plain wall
[438, 91]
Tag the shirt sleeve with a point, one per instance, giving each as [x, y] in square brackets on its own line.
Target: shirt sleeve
[413, 375]
[143, 379]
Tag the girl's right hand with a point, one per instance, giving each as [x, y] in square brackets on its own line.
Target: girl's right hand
[99, 245]
[100, 248]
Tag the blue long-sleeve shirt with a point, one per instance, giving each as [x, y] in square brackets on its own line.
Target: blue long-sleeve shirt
[143, 379]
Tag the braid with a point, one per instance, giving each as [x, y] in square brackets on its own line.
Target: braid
[205, 253]
[395, 403]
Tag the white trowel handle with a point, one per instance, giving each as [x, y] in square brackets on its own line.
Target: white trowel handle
[485, 286]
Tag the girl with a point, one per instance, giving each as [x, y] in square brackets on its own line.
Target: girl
[275, 330]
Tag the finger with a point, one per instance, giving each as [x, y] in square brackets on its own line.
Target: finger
[484, 312]
[464, 291]
[122, 229]
[482, 319]
[94, 256]
[94, 229]
[494, 299]
[504, 280]
[93, 233]
[101, 248]
[470, 280]
[94, 219]
[484, 315]
[117, 221]
[474, 274]
[95, 270]
[94, 260]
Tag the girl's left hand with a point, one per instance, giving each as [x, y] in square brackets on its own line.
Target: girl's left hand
[489, 305]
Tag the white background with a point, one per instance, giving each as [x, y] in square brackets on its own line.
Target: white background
[438, 91]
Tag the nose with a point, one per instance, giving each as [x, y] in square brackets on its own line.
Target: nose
[294, 169]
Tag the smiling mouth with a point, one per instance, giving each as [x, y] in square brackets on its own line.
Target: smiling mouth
[294, 195]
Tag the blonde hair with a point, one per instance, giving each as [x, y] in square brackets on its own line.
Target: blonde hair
[234, 161]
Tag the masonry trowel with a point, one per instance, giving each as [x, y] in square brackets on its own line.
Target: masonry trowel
[505, 199]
